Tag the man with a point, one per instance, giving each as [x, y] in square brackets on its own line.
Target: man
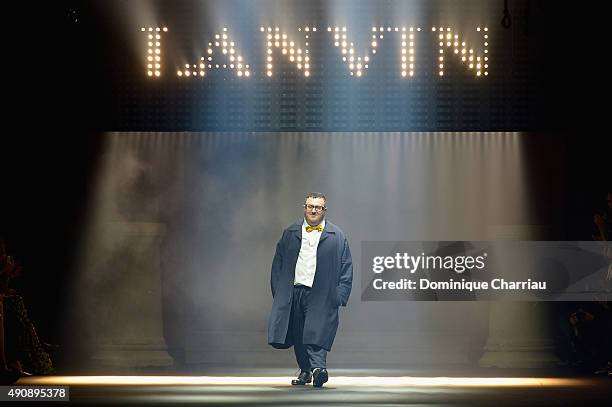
[312, 275]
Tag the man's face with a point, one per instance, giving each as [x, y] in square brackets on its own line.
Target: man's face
[313, 210]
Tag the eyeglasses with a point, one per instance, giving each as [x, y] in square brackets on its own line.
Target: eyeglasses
[317, 208]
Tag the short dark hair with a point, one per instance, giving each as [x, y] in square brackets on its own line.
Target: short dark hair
[316, 195]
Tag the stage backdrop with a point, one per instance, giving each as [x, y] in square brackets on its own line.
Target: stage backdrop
[182, 228]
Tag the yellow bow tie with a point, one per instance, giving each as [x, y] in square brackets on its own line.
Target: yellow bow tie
[318, 228]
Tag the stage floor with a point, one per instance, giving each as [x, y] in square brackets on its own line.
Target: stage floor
[373, 387]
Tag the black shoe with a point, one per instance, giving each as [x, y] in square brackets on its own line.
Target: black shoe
[320, 376]
[303, 378]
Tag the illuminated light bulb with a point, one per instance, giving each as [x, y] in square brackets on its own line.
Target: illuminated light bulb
[261, 29]
[486, 29]
[314, 28]
[448, 29]
[195, 73]
[403, 73]
[179, 73]
[201, 66]
[150, 28]
[269, 29]
[149, 73]
[477, 28]
[441, 73]
[411, 73]
[358, 73]
[150, 58]
[142, 29]
[239, 73]
[165, 29]
[486, 66]
[381, 29]
[471, 66]
[433, 28]
[276, 29]
[441, 66]
[486, 73]
[463, 59]
[478, 73]
[306, 73]
[486, 51]
[187, 73]
[150, 37]
[157, 58]
[269, 73]
[373, 43]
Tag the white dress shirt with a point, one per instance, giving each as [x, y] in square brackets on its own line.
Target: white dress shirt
[306, 265]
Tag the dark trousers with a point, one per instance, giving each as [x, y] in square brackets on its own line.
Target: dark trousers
[308, 356]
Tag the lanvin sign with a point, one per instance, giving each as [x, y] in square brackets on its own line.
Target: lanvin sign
[223, 52]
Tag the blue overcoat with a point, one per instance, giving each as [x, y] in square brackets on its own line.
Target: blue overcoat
[331, 287]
